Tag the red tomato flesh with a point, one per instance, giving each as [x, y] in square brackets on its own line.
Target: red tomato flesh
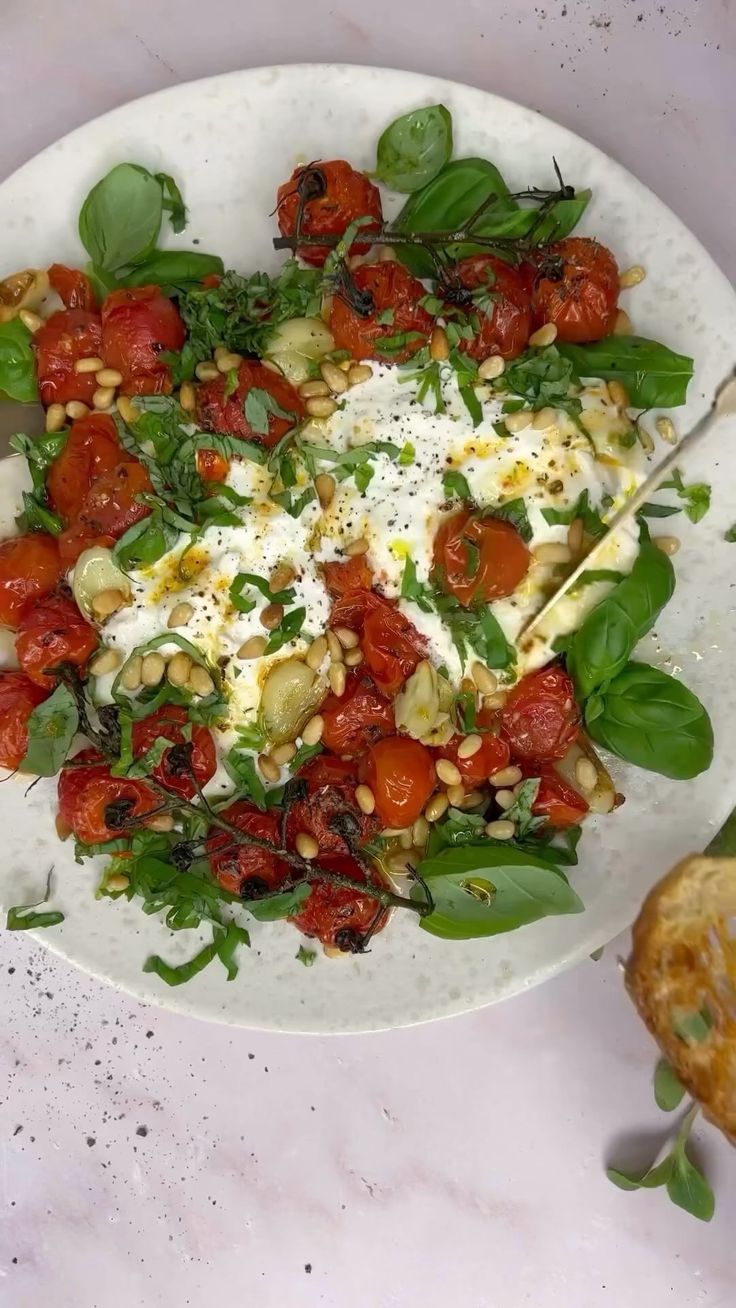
[559, 802]
[50, 632]
[540, 717]
[505, 324]
[110, 508]
[493, 754]
[330, 794]
[481, 558]
[177, 764]
[347, 195]
[338, 915]
[246, 870]
[73, 287]
[577, 289]
[97, 806]
[392, 288]
[18, 698]
[92, 449]
[66, 336]
[30, 567]
[138, 325]
[217, 413]
[357, 718]
[401, 774]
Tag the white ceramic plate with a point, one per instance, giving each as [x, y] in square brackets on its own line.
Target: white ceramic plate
[230, 140]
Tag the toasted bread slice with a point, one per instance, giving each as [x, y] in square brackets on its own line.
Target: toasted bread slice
[682, 977]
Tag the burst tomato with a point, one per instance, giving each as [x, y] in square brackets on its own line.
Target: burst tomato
[18, 698]
[196, 756]
[391, 287]
[30, 567]
[481, 558]
[92, 449]
[212, 466]
[73, 287]
[577, 289]
[110, 508]
[246, 870]
[493, 754]
[358, 717]
[340, 195]
[559, 802]
[97, 806]
[50, 632]
[499, 297]
[353, 574]
[328, 810]
[392, 648]
[540, 717]
[66, 336]
[227, 415]
[401, 774]
[137, 326]
[339, 916]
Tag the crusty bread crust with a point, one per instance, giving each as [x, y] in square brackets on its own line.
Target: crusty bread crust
[683, 962]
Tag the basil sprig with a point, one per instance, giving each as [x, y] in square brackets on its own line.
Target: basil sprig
[413, 148]
[655, 377]
[650, 719]
[685, 1184]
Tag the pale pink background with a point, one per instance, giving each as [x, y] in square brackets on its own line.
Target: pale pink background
[150, 1161]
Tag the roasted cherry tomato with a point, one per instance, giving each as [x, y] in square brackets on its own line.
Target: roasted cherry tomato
[30, 567]
[73, 287]
[391, 287]
[110, 508]
[392, 647]
[498, 297]
[360, 716]
[97, 806]
[228, 416]
[212, 466]
[493, 754]
[353, 574]
[339, 195]
[577, 289]
[352, 607]
[556, 800]
[246, 870]
[92, 449]
[330, 798]
[187, 761]
[137, 326]
[540, 716]
[400, 772]
[480, 558]
[342, 918]
[18, 698]
[66, 336]
[53, 631]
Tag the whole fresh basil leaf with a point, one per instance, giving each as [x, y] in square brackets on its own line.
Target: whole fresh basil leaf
[654, 376]
[120, 219]
[668, 1088]
[52, 727]
[602, 646]
[175, 271]
[414, 148]
[145, 543]
[17, 362]
[446, 203]
[648, 718]
[483, 890]
[688, 1188]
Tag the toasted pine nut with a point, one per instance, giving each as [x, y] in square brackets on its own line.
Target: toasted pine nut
[645, 439]
[200, 681]
[131, 677]
[107, 602]
[359, 372]
[334, 376]
[448, 772]
[91, 364]
[63, 830]
[334, 647]
[228, 361]
[320, 407]
[129, 412]
[316, 653]
[325, 485]
[420, 831]
[353, 658]
[118, 881]
[180, 615]
[436, 807]
[103, 397]
[283, 754]
[666, 429]
[544, 418]
[586, 774]
[514, 422]
[269, 770]
[456, 795]
[622, 325]
[485, 680]
[76, 409]
[469, 746]
[310, 390]
[188, 397]
[495, 700]
[160, 822]
[575, 536]
[207, 371]
[386, 254]
[306, 845]
[345, 364]
[439, 346]
[253, 648]
[551, 552]
[179, 669]
[472, 799]
[405, 839]
[109, 377]
[543, 336]
[618, 393]
[106, 661]
[272, 616]
[501, 829]
[281, 576]
[55, 417]
[509, 776]
[33, 321]
[152, 669]
[347, 638]
[505, 798]
[312, 732]
[632, 276]
[492, 367]
[336, 676]
[356, 547]
[667, 544]
[365, 799]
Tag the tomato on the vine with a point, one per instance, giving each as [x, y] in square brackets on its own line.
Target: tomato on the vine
[65, 337]
[227, 413]
[110, 507]
[479, 557]
[401, 773]
[246, 870]
[188, 764]
[138, 325]
[355, 719]
[340, 195]
[53, 631]
[339, 916]
[394, 292]
[540, 717]
[73, 287]
[18, 698]
[328, 810]
[97, 806]
[30, 568]
[559, 802]
[496, 301]
[92, 449]
[577, 289]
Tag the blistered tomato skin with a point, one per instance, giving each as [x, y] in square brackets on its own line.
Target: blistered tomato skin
[110, 507]
[246, 870]
[65, 337]
[479, 557]
[18, 698]
[328, 810]
[50, 632]
[339, 194]
[558, 802]
[189, 764]
[91, 450]
[492, 756]
[30, 568]
[540, 717]
[97, 806]
[393, 290]
[505, 318]
[402, 776]
[339, 916]
[73, 287]
[577, 289]
[353, 720]
[226, 414]
[138, 325]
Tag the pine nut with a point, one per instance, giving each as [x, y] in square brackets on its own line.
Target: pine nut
[447, 772]
[496, 700]
[619, 394]
[180, 615]
[501, 829]
[356, 547]
[76, 409]
[311, 390]
[188, 397]
[316, 653]
[109, 377]
[505, 798]
[544, 418]
[33, 321]
[586, 774]
[272, 616]
[228, 361]
[345, 364]
[543, 336]
[365, 799]
[179, 669]
[353, 658]
[509, 776]
[575, 536]
[63, 830]
[469, 746]
[312, 732]
[347, 638]
[622, 326]
[106, 661]
[160, 822]
[666, 429]
[283, 754]
[129, 412]
[334, 647]
[131, 677]
[55, 417]
[632, 276]
[267, 768]
[334, 376]
[306, 845]
[207, 371]
[514, 422]
[325, 485]
[436, 807]
[552, 552]
[485, 680]
[281, 577]
[386, 254]
[472, 799]
[492, 367]
[200, 682]
[320, 407]
[336, 676]
[439, 346]
[107, 602]
[152, 669]
[667, 544]
[118, 881]
[358, 373]
[400, 864]
[456, 795]
[91, 364]
[253, 648]
[645, 439]
[420, 832]
[103, 397]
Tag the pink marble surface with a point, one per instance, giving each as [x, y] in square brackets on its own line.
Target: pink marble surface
[151, 1161]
